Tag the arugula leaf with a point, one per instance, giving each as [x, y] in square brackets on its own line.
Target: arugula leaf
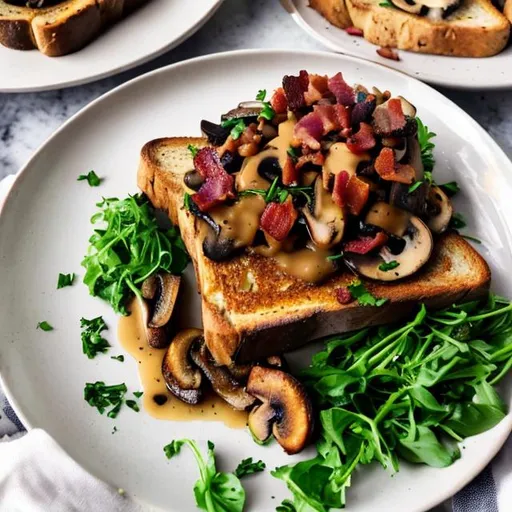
[193, 149]
[261, 95]
[387, 266]
[286, 506]
[118, 358]
[457, 221]
[127, 248]
[101, 396]
[427, 147]
[450, 189]
[214, 491]
[44, 326]
[363, 296]
[91, 177]
[92, 341]
[248, 467]
[65, 280]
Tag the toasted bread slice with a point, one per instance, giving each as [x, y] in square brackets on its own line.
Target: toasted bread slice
[475, 29]
[60, 29]
[507, 10]
[334, 11]
[251, 309]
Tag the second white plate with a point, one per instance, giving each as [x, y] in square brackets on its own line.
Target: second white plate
[463, 73]
[152, 30]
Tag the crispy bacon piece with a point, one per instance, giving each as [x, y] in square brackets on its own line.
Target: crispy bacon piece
[389, 118]
[365, 244]
[356, 195]
[309, 130]
[343, 295]
[329, 117]
[388, 53]
[340, 188]
[315, 158]
[388, 169]
[278, 101]
[342, 91]
[363, 140]
[363, 110]
[278, 219]
[317, 87]
[294, 89]
[354, 31]
[343, 115]
[290, 172]
[217, 185]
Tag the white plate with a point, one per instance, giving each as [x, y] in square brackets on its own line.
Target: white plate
[150, 31]
[489, 73]
[44, 228]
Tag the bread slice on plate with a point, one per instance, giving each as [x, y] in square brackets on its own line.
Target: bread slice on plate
[59, 29]
[507, 10]
[334, 11]
[474, 29]
[251, 309]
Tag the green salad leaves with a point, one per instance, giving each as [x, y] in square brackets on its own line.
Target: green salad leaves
[215, 491]
[127, 247]
[407, 391]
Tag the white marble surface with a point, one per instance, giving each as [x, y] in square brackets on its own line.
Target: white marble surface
[26, 120]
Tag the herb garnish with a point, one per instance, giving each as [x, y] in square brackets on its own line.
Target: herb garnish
[363, 296]
[293, 152]
[333, 257]
[387, 266]
[91, 177]
[450, 188]
[186, 201]
[386, 4]
[472, 238]
[92, 341]
[457, 221]
[248, 467]
[65, 280]
[237, 127]
[132, 404]
[193, 150]
[408, 390]
[118, 358]
[276, 192]
[261, 95]
[427, 147]
[138, 394]
[214, 491]
[415, 186]
[128, 248]
[44, 326]
[267, 112]
[101, 396]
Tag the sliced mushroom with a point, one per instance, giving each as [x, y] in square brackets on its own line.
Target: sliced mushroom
[221, 380]
[443, 205]
[244, 110]
[165, 298]
[218, 248]
[417, 250]
[412, 7]
[215, 133]
[390, 219]
[149, 287]
[286, 409]
[270, 169]
[193, 180]
[326, 223]
[181, 378]
[157, 337]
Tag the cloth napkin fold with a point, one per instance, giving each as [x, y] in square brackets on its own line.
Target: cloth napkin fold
[36, 475]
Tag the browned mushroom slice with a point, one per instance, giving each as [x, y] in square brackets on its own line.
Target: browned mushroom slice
[157, 337]
[149, 287]
[183, 379]
[223, 383]
[439, 222]
[292, 421]
[165, 299]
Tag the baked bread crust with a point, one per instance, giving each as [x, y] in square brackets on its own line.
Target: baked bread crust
[334, 11]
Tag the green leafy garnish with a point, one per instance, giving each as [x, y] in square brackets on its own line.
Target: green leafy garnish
[92, 341]
[44, 326]
[267, 112]
[91, 177]
[132, 404]
[261, 95]
[363, 296]
[333, 257]
[238, 129]
[450, 188]
[457, 221]
[472, 238]
[427, 147]
[248, 467]
[387, 266]
[101, 396]
[118, 358]
[65, 280]
[214, 491]
[286, 506]
[186, 201]
[193, 150]
[415, 186]
[138, 394]
[409, 391]
[293, 152]
[386, 4]
[278, 193]
[128, 247]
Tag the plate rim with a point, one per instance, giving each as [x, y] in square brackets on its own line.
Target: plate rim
[290, 7]
[117, 70]
[498, 152]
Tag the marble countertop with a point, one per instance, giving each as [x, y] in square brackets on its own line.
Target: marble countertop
[26, 120]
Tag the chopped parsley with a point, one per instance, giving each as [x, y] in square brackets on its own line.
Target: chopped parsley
[92, 341]
[65, 280]
[415, 186]
[99, 395]
[261, 95]
[387, 266]
[193, 150]
[91, 177]
[238, 129]
[248, 467]
[363, 296]
[386, 4]
[457, 221]
[44, 326]
[132, 404]
[427, 147]
[293, 152]
[450, 188]
[138, 394]
[267, 112]
[186, 201]
[118, 358]
[333, 257]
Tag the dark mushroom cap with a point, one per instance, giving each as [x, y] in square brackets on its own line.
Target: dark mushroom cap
[165, 298]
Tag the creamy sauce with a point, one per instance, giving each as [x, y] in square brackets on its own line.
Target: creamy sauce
[307, 264]
[132, 337]
[391, 219]
[340, 158]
